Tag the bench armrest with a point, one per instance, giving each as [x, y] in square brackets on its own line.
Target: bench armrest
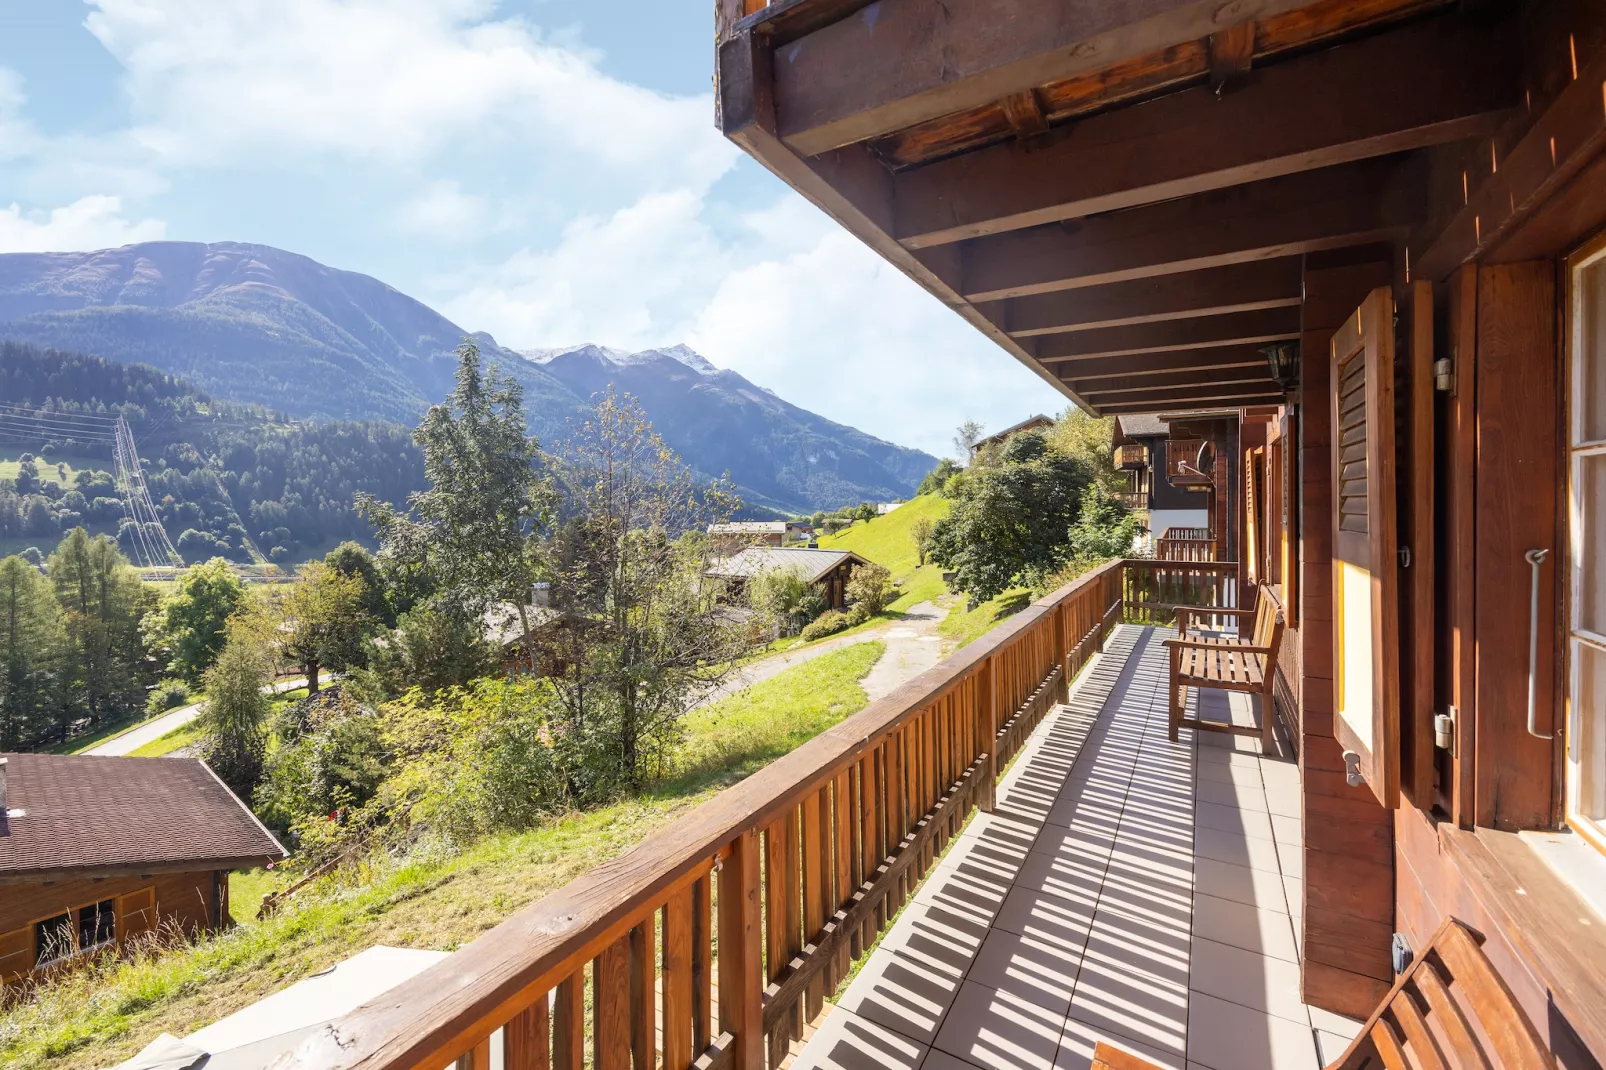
[1212, 611]
[1241, 648]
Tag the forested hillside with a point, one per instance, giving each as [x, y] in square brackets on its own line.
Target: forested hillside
[227, 479]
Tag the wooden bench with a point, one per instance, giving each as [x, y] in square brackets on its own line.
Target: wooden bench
[1229, 664]
[1449, 1011]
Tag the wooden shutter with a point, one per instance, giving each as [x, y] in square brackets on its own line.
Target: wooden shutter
[1365, 597]
[16, 953]
[1251, 554]
[136, 914]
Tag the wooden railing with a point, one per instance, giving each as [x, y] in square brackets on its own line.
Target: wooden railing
[1131, 456]
[757, 901]
[1169, 549]
[1152, 590]
[1185, 533]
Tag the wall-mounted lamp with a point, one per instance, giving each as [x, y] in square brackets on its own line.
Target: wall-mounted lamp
[1282, 358]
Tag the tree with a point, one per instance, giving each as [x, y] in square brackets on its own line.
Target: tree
[351, 559]
[237, 705]
[474, 535]
[869, 588]
[193, 621]
[431, 649]
[644, 633]
[1088, 438]
[31, 642]
[920, 531]
[936, 480]
[103, 602]
[325, 623]
[966, 435]
[1103, 529]
[1010, 523]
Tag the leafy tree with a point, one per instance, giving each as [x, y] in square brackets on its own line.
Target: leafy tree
[644, 632]
[193, 621]
[786, 598]
[476, 531]
[966, 435]
[31, 653]
[920, 531]
[869, 588]
[237, 705]
[1103, 529]
[936, 480]
[103, 601]
[351, 559]
[1087, 438]
[430, 649]
[1011, 522]
[325, 623]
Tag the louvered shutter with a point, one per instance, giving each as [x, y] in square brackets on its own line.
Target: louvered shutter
[1365, 597]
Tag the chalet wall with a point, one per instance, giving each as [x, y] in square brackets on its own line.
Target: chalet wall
[1348, 917]
[182, 898]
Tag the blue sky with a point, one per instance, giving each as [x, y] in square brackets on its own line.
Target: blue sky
[545, 170]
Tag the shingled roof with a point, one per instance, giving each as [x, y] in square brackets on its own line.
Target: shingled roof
[78, 815]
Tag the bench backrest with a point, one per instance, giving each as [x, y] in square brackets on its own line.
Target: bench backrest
[1268, 630]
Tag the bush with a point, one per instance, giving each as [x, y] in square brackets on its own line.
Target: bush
[166, 695]
[869, 588]
[786, 598]
[827, 623]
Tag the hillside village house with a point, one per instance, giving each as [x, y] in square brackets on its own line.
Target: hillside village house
[997, 439]
[95, 852]
[737, 535]
[1162, 471]
[830, 570]
[1401, 863]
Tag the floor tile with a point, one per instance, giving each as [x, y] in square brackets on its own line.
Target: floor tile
[993, 1028]
[1227, 1036]
[1246, 978]
[1079, 1040]
[1290, 859]
[1241, 884]
[941, 1060]
[1035, 970]
[1125, 1003]
[1265, 932]
[1337, 1024]
[1236, 848]
[1232, 819]
[1046, 917]
[847, 1042]
[1287, 829]
[1329, 1046]
[900, 993]
[1233, 795]
[1294, 893]
[1231, 773]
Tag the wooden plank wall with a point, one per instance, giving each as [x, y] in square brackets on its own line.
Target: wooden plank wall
[186, 898]
[1349, 872]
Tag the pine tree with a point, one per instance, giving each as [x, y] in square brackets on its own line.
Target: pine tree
[103, 602]
[236, 704]
[31, 642]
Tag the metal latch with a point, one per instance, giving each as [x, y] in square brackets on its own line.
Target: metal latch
[1443, 375]
[1405, 556]
[1352, 769]
[1444, 731]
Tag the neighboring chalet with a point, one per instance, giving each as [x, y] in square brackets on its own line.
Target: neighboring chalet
[96, 851]
[830, 569]
[1145, 451]
[1337, 798]
[738, 535]
[998, 438]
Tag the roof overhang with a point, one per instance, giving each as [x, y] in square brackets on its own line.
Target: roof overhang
[1119, 195]
[190, 865]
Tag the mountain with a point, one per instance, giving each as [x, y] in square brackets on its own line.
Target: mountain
[718, 421]
[258, 325]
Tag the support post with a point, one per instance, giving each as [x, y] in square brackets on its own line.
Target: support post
[741, 951]
[989, 725]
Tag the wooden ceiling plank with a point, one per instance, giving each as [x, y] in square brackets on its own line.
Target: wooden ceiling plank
[1177, 403]
[1227, 357]
[1430, 83]
[835, 86]
[1331, 208]
[1217, 291]
[1149, 384]
[1235, 328]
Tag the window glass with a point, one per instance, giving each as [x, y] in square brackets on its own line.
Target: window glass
[1589, 501]
[1589, 732]
[97, 923]
[1586, 709]
[53, 938]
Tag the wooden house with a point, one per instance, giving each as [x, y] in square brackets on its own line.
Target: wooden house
[995, 441]
[1373, 231]
[829, 570]
[96, 852]
[737, 535]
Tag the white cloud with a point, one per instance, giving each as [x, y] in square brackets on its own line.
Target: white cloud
[94, 222]
[445, 211]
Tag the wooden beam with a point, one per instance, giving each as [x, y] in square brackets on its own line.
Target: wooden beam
[1163, 363]
[840, 85]
[1350, 204]
[1024, 113]
[1093, 389]
[1224, 397]
[1233, 329]
[1564, 140]
[1231, 51]
[1430, 83]
[1234, 288]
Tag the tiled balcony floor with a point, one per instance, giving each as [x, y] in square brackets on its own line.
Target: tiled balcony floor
[1127, 888]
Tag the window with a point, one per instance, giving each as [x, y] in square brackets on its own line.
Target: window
[97, 924]
[52, 939]
[1586, 456]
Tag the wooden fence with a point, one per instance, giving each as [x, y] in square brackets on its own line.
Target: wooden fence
[1167, 549]
[712, 941]
[1152, 590]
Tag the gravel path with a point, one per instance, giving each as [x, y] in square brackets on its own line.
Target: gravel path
[150, 731]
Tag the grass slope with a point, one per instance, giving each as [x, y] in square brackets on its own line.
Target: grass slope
[889, 540]
[439, 900]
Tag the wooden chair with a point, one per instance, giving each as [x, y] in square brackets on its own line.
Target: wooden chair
[1449, 1011]
[1229, 664]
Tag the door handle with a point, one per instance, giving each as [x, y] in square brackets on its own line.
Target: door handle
[1534, 558]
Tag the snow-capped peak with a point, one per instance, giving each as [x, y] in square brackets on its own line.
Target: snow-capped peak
[680, 352]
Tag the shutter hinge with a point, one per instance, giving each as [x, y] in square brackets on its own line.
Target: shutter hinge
[1443, 376]
[1445, 736]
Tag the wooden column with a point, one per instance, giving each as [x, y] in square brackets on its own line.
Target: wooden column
[741, 953]
[989, 730]
[1349, 877]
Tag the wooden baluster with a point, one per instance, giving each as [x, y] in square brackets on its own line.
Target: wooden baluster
[864, 858]
[898, 801]
[702, 976]
[568, 1023]
[476, 1058]
[643, 997]
[741, 952]
[677, 981]
[785, 917]
[842, 852]
[610, 1012]
[527, 1040]
[816, 886]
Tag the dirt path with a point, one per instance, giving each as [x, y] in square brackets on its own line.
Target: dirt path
[151, 731]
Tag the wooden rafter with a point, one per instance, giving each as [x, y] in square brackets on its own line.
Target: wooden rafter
[1227, 358]
[1233, 329]
[1439, 81]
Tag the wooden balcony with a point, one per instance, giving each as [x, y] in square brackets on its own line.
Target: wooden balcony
[1131, 457]
[717, 941]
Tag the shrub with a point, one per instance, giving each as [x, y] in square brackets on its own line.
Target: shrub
[827, 623]
[870, 587]
[166, 695]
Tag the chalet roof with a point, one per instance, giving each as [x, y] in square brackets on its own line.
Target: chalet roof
[71, 814]
[806, 563]
[1025, 425]
[751, 527]
[1144, 426]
